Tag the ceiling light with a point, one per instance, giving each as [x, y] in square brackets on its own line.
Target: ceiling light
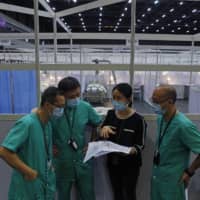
[125, 8]
[54, 8]
[83, 23]
[81, 19]
[163, 16]
[118, 23]
[157, 20]
[116, 27]
[157, 30]
[100, 14]
[75, 1]
[100, 19]
[171, 10]
[120, 19]
[148, 9]
[143, 15]
[195, 28]
[181, 3]
[115, 30]
[122, 14]
[152, 24]
[194, 10]
[138, 20]
[186, 25]
[147, 27]
[48, 1]
[172, 31]
[143, 30]
[79, 14]
[195, 21]
[183, 16]
[129, 1]
[187, 31]
[129, 30]
[62, 19]
[163, 28]
[65, 23]
[101, 8]
[99, 23]
[156, 2]
[175, 21]
[179, 28]
[168, 24]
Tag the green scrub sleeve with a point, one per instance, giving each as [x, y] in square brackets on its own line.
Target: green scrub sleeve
[190, 136]
[94, 117]
[16, 136]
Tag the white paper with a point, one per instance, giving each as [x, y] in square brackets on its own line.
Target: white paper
[96, 149]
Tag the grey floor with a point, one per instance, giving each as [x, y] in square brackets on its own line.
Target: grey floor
[102, 185]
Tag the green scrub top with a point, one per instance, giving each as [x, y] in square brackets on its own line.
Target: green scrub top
[181, 137]
[26, 139]
[68, 162]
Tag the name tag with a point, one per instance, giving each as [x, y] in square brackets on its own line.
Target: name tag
[129, 130]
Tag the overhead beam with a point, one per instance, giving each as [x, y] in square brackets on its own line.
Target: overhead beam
[53, 14]
[23, 10]
[103, 67]
[99, 36]
[15, 23]
[87, 6]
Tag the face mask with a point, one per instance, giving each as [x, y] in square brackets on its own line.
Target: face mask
[157, 109]
[58, 112]
[73, 102]
[119, 106]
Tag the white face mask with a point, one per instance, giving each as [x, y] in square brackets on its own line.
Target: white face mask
[58, 112]
[73, 102]
[157, 109]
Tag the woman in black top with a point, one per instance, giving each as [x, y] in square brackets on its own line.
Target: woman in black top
[125, 127]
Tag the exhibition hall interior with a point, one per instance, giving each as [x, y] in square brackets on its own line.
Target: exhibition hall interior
[101, 43]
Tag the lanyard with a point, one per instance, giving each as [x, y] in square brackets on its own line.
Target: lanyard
[162, 134]
[45, 140]
[70, 125]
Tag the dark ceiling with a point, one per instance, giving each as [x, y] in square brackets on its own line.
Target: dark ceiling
[153, 16]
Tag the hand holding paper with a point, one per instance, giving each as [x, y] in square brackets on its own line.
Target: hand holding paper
[100, 148]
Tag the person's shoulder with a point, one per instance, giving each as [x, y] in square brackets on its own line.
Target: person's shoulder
[27, 119]
[183, 120]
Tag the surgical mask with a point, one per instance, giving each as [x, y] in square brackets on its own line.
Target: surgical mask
[58, 112]
[119, 106]
[73, 102]
[157, 109]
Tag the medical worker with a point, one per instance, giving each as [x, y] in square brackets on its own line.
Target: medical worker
[177, 137]
[69, 141]
[28, 150]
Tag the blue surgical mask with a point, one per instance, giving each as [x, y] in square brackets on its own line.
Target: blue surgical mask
[58, 112]
[119, 106]
[72, 103]
[157, 109]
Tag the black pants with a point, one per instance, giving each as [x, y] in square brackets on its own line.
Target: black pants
[124, 181]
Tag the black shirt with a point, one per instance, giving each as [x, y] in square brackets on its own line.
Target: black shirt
[130, 132]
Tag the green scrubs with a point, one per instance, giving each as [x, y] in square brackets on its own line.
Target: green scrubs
[180, 139]
[26, 139]
[69, 162]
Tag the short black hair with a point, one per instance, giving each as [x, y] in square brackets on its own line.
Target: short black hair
[125, 89]
[68, 84]
[49, 95]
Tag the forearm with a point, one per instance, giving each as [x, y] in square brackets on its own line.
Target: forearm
[195, 164]
[14, 161]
